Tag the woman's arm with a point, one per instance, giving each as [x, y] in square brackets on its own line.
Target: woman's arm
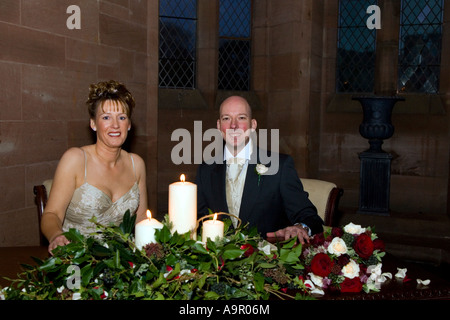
[142, 182]
[63, 187]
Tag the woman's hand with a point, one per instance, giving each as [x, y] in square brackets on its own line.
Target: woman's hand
[57, 241]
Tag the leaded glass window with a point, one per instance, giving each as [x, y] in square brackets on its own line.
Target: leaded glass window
[356, 48]
[177, 43]
[234, 44]
[420, 45]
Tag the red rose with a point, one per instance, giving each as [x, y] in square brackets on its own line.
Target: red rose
[248, 249]
[337, 232]
[363, 246]
[351, 285]
[378, 244]
[343, 259]
[321, 264]
[317, 240]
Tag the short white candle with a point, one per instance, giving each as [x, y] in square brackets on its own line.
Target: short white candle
[183, 205]
[145, 231]
[212, 229]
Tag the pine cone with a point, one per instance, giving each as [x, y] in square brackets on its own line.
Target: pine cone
[154, 250]
[336, 269]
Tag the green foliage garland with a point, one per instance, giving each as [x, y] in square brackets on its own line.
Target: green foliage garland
[242, 265]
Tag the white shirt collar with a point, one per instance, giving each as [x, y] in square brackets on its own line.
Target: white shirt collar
[245, 153]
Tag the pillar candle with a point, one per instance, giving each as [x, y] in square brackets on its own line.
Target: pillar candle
[183, 205]
[145, 231]
[212, 229]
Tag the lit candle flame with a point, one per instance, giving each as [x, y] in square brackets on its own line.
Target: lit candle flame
[149, 215]
[215, 217]
[182, 178]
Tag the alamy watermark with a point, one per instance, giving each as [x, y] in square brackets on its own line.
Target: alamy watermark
[182, 153]
[74, 280]
[74, 20]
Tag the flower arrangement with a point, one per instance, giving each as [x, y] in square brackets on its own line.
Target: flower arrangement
[109, 266]
[242, 265]
[344, 259]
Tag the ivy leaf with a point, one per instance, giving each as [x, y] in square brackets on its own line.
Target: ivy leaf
[86, 274]
[50, 264]
[266, 265]
[232, 253]
[161, 280]
[117, 259]
[200, 248]
[128, 222]
[74, 235]
[100, 251]
[211, 245]
[258, 281]
[163, 235]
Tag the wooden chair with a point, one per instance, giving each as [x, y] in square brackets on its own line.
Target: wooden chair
[41, 193]
[325, 196]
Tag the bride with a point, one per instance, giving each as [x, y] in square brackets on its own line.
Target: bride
[102, 179]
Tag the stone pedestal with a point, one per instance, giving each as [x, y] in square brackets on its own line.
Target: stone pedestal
[375, 177]
[375, 171]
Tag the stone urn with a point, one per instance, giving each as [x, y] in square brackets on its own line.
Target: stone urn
[376, 125]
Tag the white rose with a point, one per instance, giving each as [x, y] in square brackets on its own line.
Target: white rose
[354, 228]
[401, 273]
[76, 296]
[261, 169]
[2, 295]
[377, 276]
[423, 282]
[317, 280]
[337, 247]
[351, 270]
[266, 247]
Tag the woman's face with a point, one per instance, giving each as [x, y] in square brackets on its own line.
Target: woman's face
[111, 124]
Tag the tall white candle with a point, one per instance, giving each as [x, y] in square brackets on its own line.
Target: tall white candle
[183, 205]
[145, 231]
[212, 229]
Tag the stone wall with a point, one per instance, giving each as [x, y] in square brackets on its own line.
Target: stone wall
[45, 72]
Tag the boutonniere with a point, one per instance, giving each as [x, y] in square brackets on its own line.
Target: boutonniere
[260, 170]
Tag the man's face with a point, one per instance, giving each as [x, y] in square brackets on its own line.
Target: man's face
[235, 123]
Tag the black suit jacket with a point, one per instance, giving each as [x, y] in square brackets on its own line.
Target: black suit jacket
[277, 202]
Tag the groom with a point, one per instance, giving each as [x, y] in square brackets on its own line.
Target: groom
[275, 203]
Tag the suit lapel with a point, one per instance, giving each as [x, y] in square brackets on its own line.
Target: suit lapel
[218, 179]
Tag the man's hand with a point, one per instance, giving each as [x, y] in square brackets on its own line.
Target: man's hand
[290, 232]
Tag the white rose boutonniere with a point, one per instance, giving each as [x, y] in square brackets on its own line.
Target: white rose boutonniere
[260, 170]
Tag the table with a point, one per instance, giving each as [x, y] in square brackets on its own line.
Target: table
[398, 289]
[11, 259]
[439, 288]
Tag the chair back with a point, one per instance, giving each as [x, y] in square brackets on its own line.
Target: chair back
[41, 193]
[325, 196]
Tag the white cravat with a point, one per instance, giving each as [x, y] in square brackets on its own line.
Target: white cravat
[235, 180]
